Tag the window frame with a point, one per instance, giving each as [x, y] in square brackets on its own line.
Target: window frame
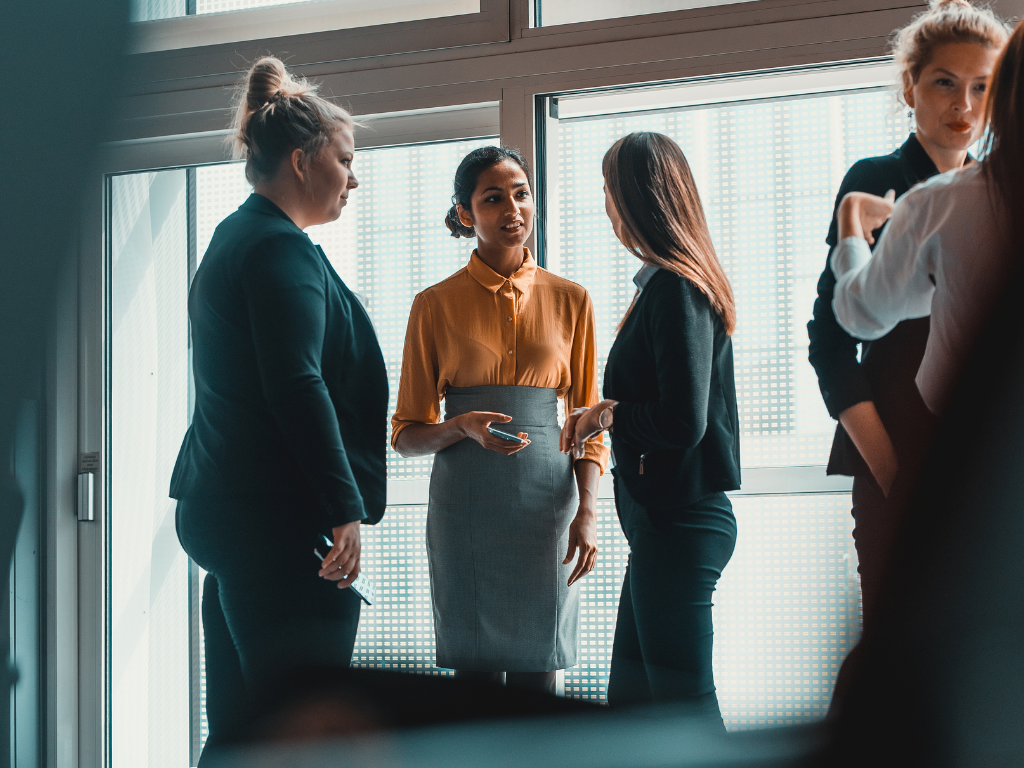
[200, 33]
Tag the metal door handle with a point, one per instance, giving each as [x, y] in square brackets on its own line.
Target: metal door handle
[86, 497]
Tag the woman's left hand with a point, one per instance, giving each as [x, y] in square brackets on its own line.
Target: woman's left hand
[341, 564]
[860, 214]
[568, 434]
[582, 537]
[585, 423]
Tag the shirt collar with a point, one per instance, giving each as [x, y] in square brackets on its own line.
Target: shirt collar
[643, 276]
[521, 280]
[260, 204]
[921, 164]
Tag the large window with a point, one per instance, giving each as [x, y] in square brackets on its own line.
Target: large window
[553, 12]
[768, 155]
[390, 243]
[768, 165]
[149, 603]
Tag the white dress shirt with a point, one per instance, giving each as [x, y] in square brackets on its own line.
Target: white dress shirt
[643, 277]
[941, 254]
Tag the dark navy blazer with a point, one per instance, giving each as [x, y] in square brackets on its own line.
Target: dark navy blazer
[291, 391]
[676, 431]
[886, 369]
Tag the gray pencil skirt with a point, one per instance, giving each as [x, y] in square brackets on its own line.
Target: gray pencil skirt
[497, 532]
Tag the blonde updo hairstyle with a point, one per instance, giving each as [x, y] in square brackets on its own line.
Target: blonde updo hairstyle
[945, 21]
[276, 114]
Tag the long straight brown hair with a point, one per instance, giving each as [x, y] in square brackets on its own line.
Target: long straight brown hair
[663, 222]
[1004, 163]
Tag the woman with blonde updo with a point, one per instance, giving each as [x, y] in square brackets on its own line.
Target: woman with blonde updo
[288, 435]
[945, 58]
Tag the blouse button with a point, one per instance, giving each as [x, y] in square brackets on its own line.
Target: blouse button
[510, 351]
[510, 319]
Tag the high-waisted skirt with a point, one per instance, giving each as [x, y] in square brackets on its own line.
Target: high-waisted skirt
[497, 532]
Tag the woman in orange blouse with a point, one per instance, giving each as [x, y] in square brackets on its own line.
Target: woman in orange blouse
[499, 341]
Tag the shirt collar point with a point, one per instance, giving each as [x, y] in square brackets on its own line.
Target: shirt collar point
[522, 279]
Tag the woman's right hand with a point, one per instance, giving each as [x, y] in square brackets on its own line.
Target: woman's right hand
[475, 423]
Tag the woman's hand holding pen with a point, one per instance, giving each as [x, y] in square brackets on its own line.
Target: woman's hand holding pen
[860, 214]
[475, 423]
[341, 564]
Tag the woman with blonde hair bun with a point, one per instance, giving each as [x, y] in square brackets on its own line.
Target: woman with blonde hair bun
[288, 434]
[945, 57]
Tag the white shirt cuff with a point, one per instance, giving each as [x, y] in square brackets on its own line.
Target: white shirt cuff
[851, 253]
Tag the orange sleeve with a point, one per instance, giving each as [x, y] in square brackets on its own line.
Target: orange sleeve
[583, 387]
[417, 387]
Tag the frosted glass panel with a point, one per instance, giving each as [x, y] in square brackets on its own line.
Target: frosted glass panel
[768, 173]
[149, 585]
[552, 12]
[389, 244]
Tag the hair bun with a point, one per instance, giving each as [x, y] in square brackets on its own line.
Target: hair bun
[265, 82]
[276, 113]
[937, 4]
[269, 81]
[455, 225]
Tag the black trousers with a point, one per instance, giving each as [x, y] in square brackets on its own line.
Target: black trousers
[265, 610]
[872, 534]
[664, 633]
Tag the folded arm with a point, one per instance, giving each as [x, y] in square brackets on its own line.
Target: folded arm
[874, 293]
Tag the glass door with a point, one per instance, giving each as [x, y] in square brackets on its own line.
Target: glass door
[390, 243]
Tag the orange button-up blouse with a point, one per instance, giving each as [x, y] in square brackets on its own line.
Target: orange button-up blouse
[477, 328]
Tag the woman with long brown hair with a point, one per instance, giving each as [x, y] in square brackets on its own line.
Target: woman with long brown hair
[671, 409]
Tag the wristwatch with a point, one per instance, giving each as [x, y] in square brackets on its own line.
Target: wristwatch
[611, 417]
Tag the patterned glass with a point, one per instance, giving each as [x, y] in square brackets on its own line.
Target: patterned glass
[786, 610]
[768, 173]
[553, 12]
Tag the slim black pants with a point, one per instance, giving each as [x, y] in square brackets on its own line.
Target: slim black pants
[265, 610]
[664, 633]
[872, 532]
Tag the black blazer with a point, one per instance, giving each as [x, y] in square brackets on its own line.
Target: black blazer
[291, 392]
[888, 366]
[671, 369]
